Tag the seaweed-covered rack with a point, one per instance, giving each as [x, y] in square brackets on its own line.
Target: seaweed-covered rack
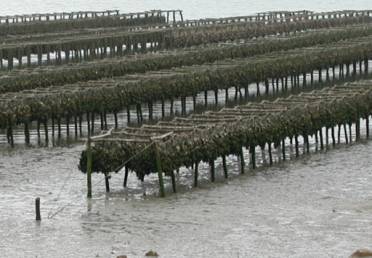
[113, 94]
[22, 79]
[87, 46]
[187, 141]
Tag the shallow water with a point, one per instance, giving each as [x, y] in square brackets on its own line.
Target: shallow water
[316, 206]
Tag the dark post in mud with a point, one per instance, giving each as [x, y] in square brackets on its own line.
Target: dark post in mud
[89, 168]
[37, 209]
[159, 168]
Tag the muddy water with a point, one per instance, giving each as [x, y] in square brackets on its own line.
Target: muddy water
[316, 206]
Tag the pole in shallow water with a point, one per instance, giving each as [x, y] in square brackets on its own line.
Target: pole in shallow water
[159, 168]
[37, 209]
[89, 168]
[126, 177]
[196, 174]
[107, 182]
[212, 170]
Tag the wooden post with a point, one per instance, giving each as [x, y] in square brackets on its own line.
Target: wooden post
[80, 124]
[172, 105]
[183, 106]
[38, 129]
[138, 114]
[59, 127]
[68, 126]
[10, 63]
[101, 120]
[246, 91]
[173, 182]
[357, 129]
[316, 140]
[252, 151]
[160, 172]
[206, 98]
[270, 153]
[283, 149]
[277, 85]
[27, 133]
[267, 87]
[366, 65]
[10, 133]
[196, 174]
[345, 132]
[162, 108]
[53, 126]
[212, 170]
[351, 136]
[224, 166]
[150, 108]
[296, 146]
[181, 14]
[46, 130]
[37, 209]
[321, 139]
[107, 182]
[367, 126]
[89, 168]
[105, 118]
[306, 137]
[128, 114]
[126, 177]
[76, 126]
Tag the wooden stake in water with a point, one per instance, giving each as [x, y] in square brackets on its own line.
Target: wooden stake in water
[224, 166]
[196, 174]
[89, 168]
[173, 182]
[37, 209]
[159, 168]
[126, 177]
[212, 170]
